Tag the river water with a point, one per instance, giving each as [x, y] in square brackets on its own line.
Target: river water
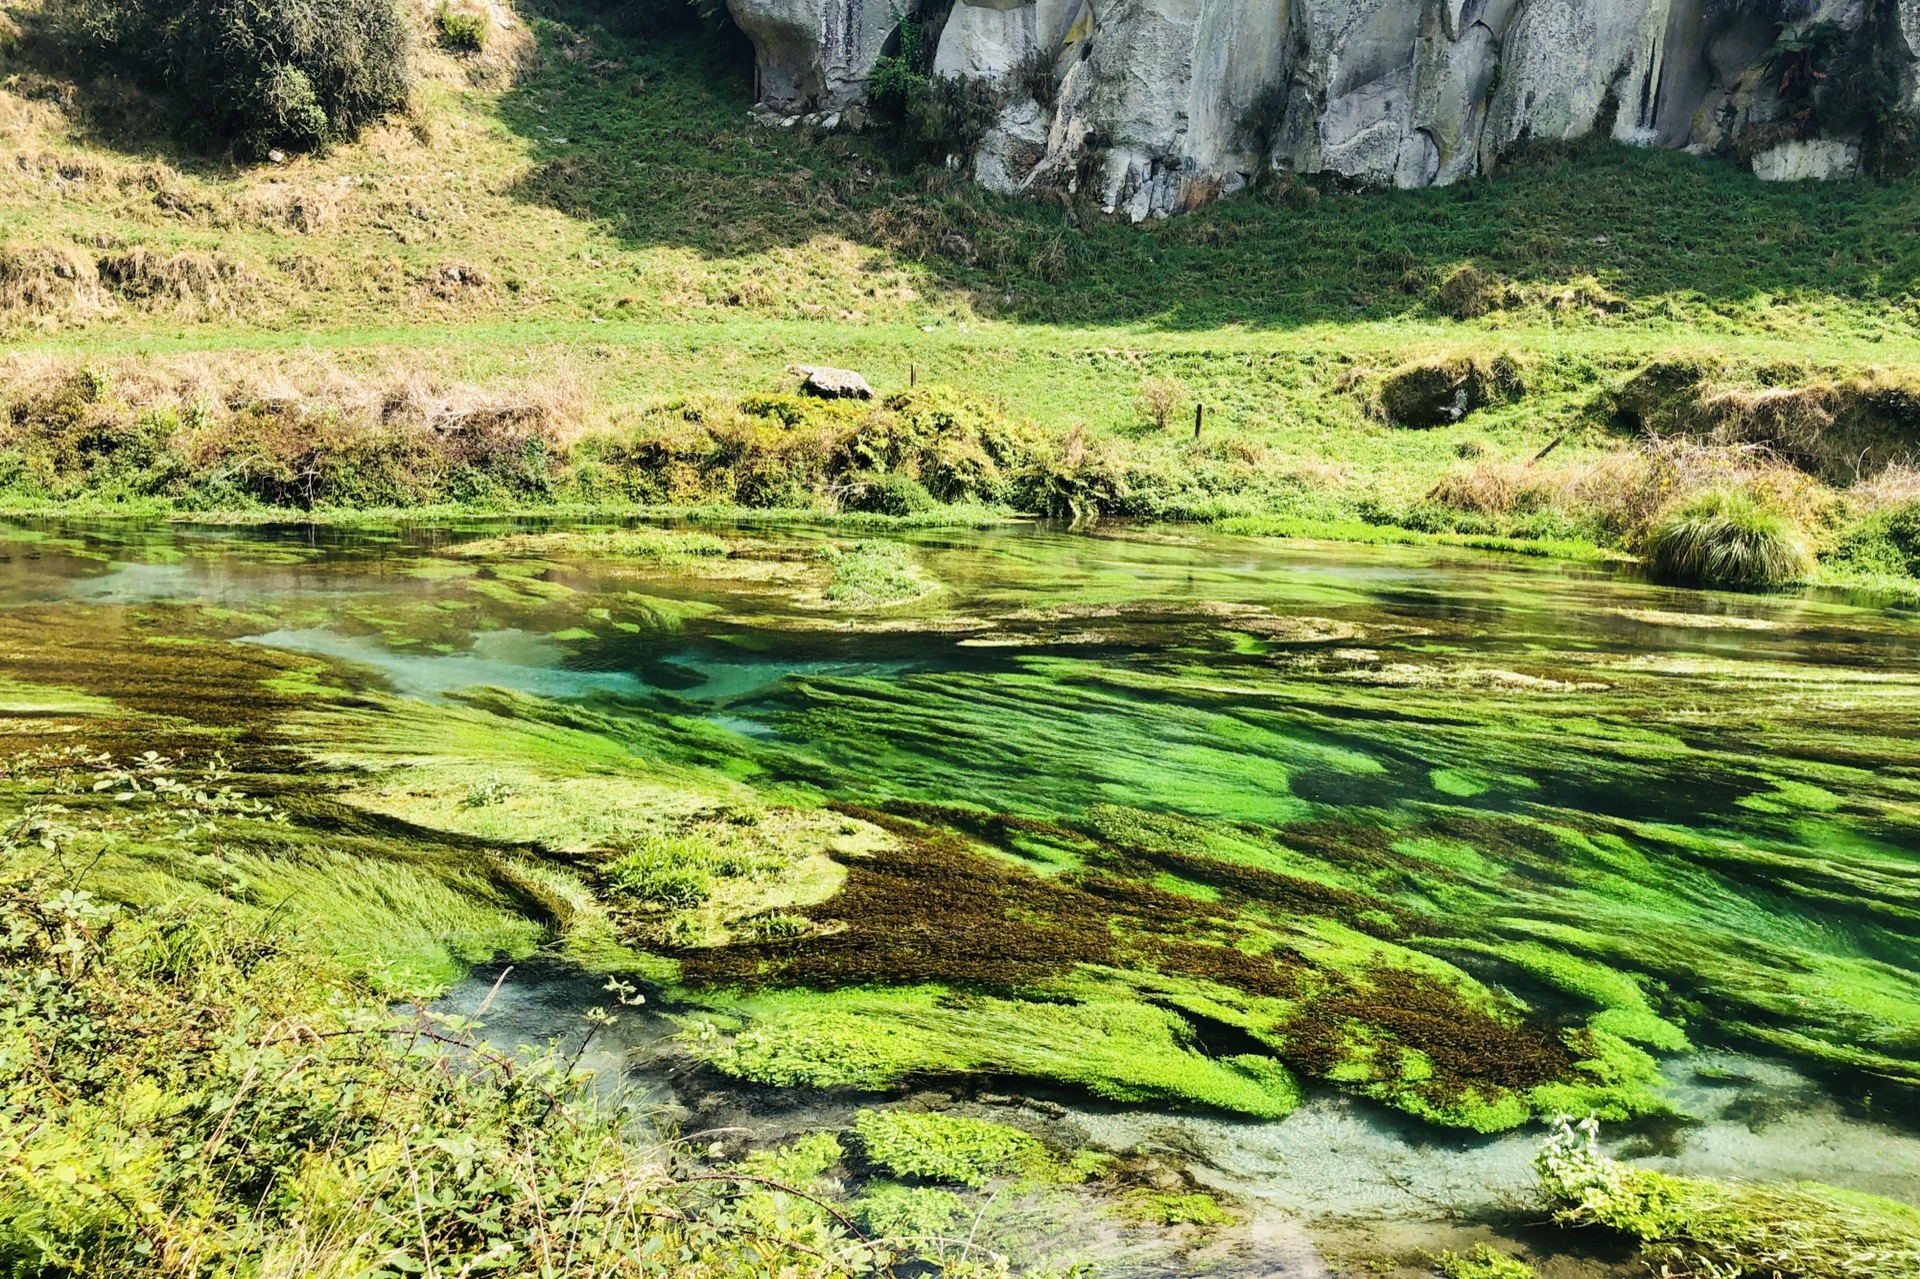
[1555, 779]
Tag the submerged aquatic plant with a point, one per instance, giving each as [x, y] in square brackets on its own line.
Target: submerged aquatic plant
[949, 1148]
[1727, 537]
[873, 574]
[1482, 1261]
[1730, 1230]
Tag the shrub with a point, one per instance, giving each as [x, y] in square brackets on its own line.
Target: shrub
[461, 32]
[1888, 542]
[1159, 401]
[296, 74]
[889, 495]
[1725, 537]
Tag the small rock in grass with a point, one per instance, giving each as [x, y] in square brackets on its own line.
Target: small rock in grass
[831, 384]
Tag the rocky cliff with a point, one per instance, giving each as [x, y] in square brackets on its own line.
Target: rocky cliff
[1162, 104]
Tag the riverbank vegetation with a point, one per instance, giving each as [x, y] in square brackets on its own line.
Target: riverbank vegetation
[571, 274]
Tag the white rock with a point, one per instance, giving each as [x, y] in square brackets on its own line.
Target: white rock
[1189, 98]
[1816, 160]
[830, 383]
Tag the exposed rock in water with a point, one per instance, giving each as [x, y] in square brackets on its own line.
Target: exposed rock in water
[1168, 103]
[831, 384]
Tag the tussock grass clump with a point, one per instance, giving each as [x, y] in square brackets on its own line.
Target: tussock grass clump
[1727, 537]
[1839, 425]
[48, 281]
[1692, 1226]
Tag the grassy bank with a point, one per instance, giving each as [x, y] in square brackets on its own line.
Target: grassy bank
[578, 254]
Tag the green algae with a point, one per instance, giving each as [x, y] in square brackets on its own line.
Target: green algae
[1158, 862]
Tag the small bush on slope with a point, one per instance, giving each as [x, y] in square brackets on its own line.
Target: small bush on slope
[295, 74]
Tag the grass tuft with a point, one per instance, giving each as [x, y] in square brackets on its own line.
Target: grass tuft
[1727, 537]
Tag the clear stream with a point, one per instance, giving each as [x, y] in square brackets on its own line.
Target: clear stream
[1731, 785]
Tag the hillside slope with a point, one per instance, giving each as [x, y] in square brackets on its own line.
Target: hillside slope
[583, 227]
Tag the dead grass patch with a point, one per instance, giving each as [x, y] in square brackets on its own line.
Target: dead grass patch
[202, 285]
[1842, 428]
[49, 282]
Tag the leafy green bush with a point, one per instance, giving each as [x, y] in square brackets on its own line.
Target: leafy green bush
[1888, 543]
[461, 32]
[293, 75]
[1727, 537]
[889, 495]
[951, 1148]
[892, 1211]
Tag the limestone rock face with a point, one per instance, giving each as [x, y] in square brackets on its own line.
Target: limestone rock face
[1163, 104]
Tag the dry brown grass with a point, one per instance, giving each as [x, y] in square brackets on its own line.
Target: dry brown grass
[1627, 490]
[1844, 427]
[48, 282]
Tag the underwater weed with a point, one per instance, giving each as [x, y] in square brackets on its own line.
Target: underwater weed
[1482, 1261]
[1727, 537]
[1694, 1226]
[949, 1148]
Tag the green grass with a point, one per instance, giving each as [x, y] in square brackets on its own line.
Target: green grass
[620, 237]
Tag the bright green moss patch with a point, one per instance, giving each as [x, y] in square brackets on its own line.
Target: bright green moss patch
[873, 574]
[949, 1148]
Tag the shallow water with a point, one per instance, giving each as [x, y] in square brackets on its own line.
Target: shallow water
[1716, 796]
